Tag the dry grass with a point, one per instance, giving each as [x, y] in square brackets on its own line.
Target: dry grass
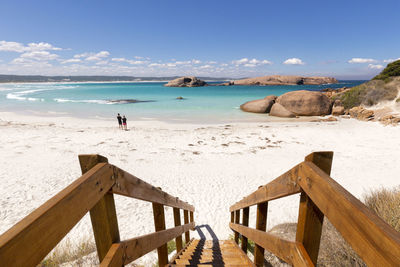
[385, 203]
[334, 250]
[68, 251]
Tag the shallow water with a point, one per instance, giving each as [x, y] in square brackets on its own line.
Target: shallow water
[96, 100]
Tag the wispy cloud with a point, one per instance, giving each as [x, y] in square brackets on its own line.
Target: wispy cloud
[250, 62]
[129, 61]
[98, 56]
[375, 66]
[358, 60]
[390, 60]
[20, 48]
[293, 61]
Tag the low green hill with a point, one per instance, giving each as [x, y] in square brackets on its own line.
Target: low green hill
[391, 70]
[383, 87]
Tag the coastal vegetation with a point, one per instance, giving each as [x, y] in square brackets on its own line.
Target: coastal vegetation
[391, 70]
[334, 250]
[383, 87]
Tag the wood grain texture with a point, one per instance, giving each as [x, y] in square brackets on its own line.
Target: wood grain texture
[237, 220]
[31, 239]
[310, 219]
[139, 246]
[186, 221]
[245, 222]
[261, 224]
[374, 240]
[284, 185]
[115, 256]
[287, 251]
[131, 186]
[177, 222]
[159, 225]
[103, 215]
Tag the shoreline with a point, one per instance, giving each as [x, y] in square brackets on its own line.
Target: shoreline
[211, 166]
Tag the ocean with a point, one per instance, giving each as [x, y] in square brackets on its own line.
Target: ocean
[209, 104]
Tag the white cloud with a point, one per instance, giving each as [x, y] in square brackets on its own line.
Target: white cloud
[41, 47]
[20, 48]
[250, 62]
[375, 66]
[132, 62]
[205, 67]
[39, 55]
[356, 60]
[293, 61]
[11, 46]
[390, 60]
[71, 60]
[102, 62]
[212, 62]
[182, 62]
[156, 65]
[98, 56]
[240, 61]
[196, 61]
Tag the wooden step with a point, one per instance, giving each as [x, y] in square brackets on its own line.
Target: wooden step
[211, 253]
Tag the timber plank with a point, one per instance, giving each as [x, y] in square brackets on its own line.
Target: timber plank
[284, 185]
[103, 215]
[177, 222]
[310, 219]
[374, 240]
[186, 221]
[245, 222]
[31, 239]
[159, 225]
[282, 248]
[139, 246]
[131, 186]
[114, 257]
[261, 224]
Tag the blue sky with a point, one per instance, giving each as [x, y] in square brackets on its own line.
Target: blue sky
[346, 39]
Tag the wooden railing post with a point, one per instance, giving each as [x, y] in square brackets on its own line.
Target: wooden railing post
[309, 225]
[103, 214]
[237, 220]
[245, 222]
[261, 224]
[177, 221]
[159, 224]
[186, 221]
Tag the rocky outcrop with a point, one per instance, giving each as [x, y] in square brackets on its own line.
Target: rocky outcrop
[260, 105]
[306, 103]
[186, 82]
[284, 80]
[280, 111]
[361, 113]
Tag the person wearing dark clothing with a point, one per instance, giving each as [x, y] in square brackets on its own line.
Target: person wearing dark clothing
[125, 127]
[119, 121]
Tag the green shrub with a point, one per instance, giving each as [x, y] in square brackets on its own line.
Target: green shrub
[392, 69]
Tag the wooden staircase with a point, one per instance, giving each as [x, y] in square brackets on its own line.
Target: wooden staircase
[211, 253]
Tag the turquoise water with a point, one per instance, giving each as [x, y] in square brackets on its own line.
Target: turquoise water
[208, 104]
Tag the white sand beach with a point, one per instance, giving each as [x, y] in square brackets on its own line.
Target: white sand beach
[210, 166]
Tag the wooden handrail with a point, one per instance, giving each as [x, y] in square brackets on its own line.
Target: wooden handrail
[376, 242]
[284, 185]
[30, 240]
[129, 250]
[288, 251]
[131, 186]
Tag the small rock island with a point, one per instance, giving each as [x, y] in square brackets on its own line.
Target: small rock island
[284, 80]
[186, 81]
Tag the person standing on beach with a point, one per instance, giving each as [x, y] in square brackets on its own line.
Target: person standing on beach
[125, 127]
[119, 121]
